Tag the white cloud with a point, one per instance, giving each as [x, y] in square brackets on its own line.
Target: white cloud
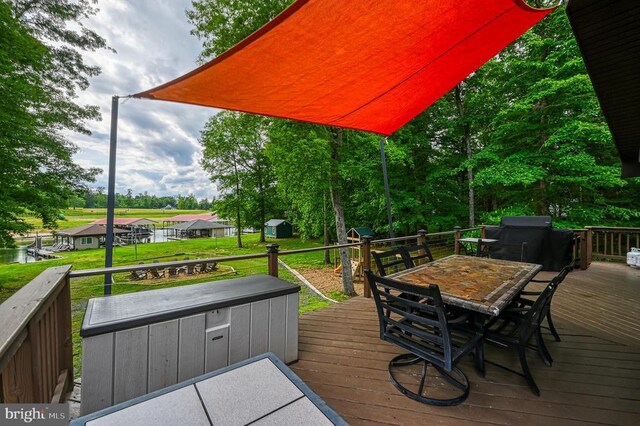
[158, 149]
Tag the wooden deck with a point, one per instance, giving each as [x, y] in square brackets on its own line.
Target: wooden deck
[595, 378]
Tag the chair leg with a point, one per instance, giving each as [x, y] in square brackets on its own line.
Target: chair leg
[525, 369]
[552, 328]
[478, 358]
[542, 349]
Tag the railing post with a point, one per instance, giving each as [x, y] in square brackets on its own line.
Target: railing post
[456, 243]
[65, 335]
[366, 262]
[272, 250]
[589, 237]
[422, 236]
[584, 251]
[483, 232]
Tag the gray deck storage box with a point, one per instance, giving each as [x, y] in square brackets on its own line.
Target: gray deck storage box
[137, 343]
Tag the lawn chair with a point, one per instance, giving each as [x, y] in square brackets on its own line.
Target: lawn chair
[201, 268]
[155, 273]
[190, 270]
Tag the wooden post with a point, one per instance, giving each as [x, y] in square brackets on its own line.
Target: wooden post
[272, 250]
[366, 262]
[65, 338]
[483, 232]
[456, 243]
[422, 237]
[589, 238]
[584, 252]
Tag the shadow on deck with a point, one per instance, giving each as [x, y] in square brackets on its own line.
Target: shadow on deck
[595, 378]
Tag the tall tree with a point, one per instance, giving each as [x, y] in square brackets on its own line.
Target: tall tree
[41, 72]
[234, 156]
[220, 24]
[548, 149]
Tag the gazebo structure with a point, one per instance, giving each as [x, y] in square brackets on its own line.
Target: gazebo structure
[197, 228]
[83, 237]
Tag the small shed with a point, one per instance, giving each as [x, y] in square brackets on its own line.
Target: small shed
[85, 236]
[278, 228]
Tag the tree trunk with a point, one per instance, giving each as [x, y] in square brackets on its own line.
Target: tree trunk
[326, 242]
[341, 230]
[467, 143]
[238, 224]
[262, 211]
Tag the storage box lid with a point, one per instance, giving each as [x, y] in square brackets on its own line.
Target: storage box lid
[113, 313]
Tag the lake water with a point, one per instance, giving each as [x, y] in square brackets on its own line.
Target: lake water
[19, 254]
[15, 255]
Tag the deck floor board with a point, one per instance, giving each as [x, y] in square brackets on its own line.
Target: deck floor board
[595, 378]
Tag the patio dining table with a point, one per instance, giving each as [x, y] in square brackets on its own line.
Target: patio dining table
[478, 284]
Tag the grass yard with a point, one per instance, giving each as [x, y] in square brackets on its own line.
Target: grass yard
[13, 276]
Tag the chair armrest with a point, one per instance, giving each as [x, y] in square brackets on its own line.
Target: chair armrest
[530, 293]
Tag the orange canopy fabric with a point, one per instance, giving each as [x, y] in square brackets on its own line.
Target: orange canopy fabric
[362, 64]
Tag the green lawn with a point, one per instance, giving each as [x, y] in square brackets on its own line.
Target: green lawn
[13, 276]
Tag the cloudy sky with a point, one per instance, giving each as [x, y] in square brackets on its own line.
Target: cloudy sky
[158, 149]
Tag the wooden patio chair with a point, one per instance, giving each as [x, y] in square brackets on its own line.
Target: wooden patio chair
[201, 268]
[429, 335]
[172, 272]
[190, 269]
[155, 273]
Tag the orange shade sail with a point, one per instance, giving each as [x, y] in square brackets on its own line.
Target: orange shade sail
[369, 65]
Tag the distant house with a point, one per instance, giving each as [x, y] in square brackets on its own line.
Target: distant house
[85, 236]
[168, 207]
[139, 229]
[209, 217]
[197, 228]
[278, 228]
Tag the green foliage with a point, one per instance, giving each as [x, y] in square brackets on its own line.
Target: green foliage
[301, 158]
[524, 134]
[220, 24]
[41, 71]
[234, 156]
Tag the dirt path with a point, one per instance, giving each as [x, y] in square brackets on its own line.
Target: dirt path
[325, 280]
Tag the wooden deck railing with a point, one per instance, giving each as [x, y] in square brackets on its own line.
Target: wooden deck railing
[612, 243]
[36, 360]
